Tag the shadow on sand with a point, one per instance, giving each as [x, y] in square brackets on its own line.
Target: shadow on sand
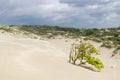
[87, 67]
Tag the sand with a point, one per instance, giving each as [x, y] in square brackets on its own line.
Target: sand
[33, 59]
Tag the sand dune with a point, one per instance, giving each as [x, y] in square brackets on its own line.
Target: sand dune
[32, 59]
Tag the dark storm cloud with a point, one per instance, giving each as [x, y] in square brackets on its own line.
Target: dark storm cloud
[78, 13]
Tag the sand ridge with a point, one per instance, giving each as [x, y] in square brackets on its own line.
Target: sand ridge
[32, 59]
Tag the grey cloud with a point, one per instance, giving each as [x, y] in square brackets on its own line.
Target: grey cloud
[91, 13]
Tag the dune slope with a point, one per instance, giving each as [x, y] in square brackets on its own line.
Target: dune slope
[32, 59]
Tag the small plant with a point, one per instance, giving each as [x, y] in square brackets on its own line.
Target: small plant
[83, 52]
[96, 39]
[87, 38]
[107, 44]
[116, 51]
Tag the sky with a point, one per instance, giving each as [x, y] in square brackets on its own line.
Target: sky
[67, 13]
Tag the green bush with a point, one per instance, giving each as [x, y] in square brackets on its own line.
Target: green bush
[96, 39]
[116, 51]
[87, 38]
[95, 62]
[107, 44]
[83, 52]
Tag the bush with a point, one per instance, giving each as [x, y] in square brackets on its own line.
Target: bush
[96, 39]
[116, 51]
[83, 52]
[107, 44]
[87, 38]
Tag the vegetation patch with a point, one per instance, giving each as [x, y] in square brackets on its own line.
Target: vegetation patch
[84, 52]
[110, 37]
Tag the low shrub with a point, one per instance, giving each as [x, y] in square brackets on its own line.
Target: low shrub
[83, 52]
[107, 44]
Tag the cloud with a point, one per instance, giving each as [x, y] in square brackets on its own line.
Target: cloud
[78, 13]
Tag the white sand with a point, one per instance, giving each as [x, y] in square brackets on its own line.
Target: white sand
[30, 59]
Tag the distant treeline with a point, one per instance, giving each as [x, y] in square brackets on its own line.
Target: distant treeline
[100, 35]
[110, 37]
[43, 29]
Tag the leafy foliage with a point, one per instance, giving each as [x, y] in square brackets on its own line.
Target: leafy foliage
[107, 44]
[95, 62]
[83, 52]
